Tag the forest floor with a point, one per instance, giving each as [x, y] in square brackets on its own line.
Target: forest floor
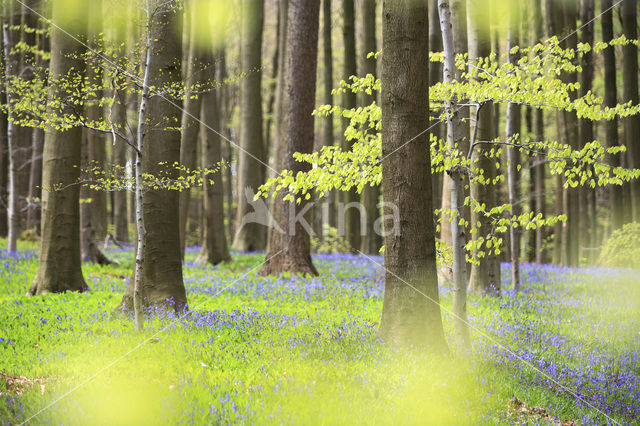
[305, 350]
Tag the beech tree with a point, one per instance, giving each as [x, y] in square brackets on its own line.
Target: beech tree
[411, 310]
[59, 268]
[289, 245]
[485, 274]
[351, 214]
[251, 157]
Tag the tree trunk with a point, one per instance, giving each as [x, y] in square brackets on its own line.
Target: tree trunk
[158, 262]
[630, 94]
[224, 102]
[9, 39]
[571, 229]
[59, 268]
[411, 309]
[587, 194]
[251, 158]
[537, 168]
[327, 99]
[617, 193]
[350, 214]
[195, 71]
[370, 241]
[485, 276]
[214, 249]
[289, 246]
[456, 185]
[513, 153]
[37, 135]
[93, 209]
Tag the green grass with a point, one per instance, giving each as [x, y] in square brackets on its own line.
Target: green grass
[302, 350]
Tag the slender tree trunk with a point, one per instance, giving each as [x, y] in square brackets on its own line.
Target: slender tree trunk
[11, 68]
[537, 168]
[630, 94]
[553, 22]
[585, 130]
[370, 241]
[289, 247]
[351, 214]
[456, 186]
[59, 268]
[214, 249]
[327, 98]
[195, 70]
[158, 272]
[251, 158]
[571, 229]
[93, 209]
[485, 276]
[411, 310]
[438, 129]
[278, 147]
[224, 102]
[4, 169]
[513, 153]
[617, 193]
[37, 134]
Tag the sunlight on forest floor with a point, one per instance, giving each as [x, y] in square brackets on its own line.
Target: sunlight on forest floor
[301, 350]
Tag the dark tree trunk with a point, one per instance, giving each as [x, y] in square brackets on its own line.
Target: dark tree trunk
[214, 249]
[350, 214]
[162, 268]
[630, 94]
[411, 310]
[617, 193]
[251, 157]
[59, 268]
[485, 276]
[225, 104]
[370, 241]
[571, 229]
[4, 169]
[587, 195]
[289, 246]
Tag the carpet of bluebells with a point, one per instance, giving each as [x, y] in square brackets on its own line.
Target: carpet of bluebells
[305, 350]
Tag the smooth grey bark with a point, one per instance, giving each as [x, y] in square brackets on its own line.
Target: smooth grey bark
[370, 242]
[214, 249]
[251, 157]
[59, 268]
[289, 247]
[158, 270]
[411, 310]
[617, 193]
[37, 134]
[455, 190]
[328, 136]
[513, 153]
[351, 216]
[485, 276]
[194, 82]
[11, 65]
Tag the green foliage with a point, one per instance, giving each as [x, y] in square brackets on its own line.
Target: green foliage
[534, 81]
[622, 249]
[331, 242]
